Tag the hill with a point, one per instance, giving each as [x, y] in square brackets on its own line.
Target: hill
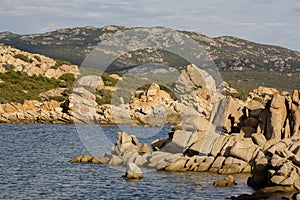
[244, 64]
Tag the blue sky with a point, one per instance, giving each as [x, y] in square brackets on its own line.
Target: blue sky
[265, 21]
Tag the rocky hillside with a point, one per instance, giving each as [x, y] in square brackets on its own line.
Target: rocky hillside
[244, 65]
[26, 76]
[230, 53]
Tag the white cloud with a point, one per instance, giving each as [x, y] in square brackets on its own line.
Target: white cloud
[297, 6]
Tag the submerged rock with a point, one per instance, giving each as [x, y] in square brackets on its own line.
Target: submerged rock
[89, 159]
[133, 172]
[228, 181]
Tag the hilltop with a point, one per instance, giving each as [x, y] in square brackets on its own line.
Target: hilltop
[244, 64]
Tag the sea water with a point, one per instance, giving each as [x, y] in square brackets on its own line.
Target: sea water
[34, 165]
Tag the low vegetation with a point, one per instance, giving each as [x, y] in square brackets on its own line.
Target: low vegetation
[247, 81]
[23, 57]
[17, 87]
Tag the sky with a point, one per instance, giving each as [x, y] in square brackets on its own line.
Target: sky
[274, 22]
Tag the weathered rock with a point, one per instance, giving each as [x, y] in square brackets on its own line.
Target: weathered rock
[243, 149]
[205, 163]
[91, 81]
[218, 145]
[89, 159]
[247, 131]
[217, 164]
[233, 165]
[178, 165]
[113, 160]
[228, 181]
[153, 90]
[33, 64]
[278, 167]
[278, 116]
[229, 114]
[295, 109]
[258, 138]
[158, 144]
[133, 172]
[32, 111]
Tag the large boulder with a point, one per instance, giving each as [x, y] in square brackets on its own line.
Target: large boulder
[82, 106]
[92, 81]
[133, 172]
[243, 149]
[195, 135]
[278, 116]
[228, 114]
[295, 109]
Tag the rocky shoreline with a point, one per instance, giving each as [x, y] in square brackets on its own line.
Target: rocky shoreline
[258, 135]
[261, 139]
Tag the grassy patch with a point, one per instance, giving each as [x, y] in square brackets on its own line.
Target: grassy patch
[18, 87]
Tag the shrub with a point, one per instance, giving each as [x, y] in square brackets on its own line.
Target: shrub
[23, 57]
[68, 77]
[58, 98]
[8, 67]
[61, 62]
[103, 97]
[108, 81]
[17, 87]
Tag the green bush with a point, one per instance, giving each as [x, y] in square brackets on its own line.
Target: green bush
[58, 98]
[104, 97]
[8, 67]
[17, 87]
[68, 80]
[108, 81]
[61, 62]
[68, 77]
[23, 57]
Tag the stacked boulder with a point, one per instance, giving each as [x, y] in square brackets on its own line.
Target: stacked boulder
[194, 145]
[278, 165]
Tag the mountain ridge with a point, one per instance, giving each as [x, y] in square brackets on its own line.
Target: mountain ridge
[244, 64]
[84, 39]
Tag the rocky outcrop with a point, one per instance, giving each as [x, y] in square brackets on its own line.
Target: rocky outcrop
[33, 64]
[278, 165]
[194, 145]
[81, 105]
[89, 159]
[32, 111]
[194, 95]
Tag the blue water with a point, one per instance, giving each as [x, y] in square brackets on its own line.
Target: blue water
[34, 165]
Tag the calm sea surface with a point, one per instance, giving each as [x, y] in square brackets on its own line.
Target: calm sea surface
[34, 165]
